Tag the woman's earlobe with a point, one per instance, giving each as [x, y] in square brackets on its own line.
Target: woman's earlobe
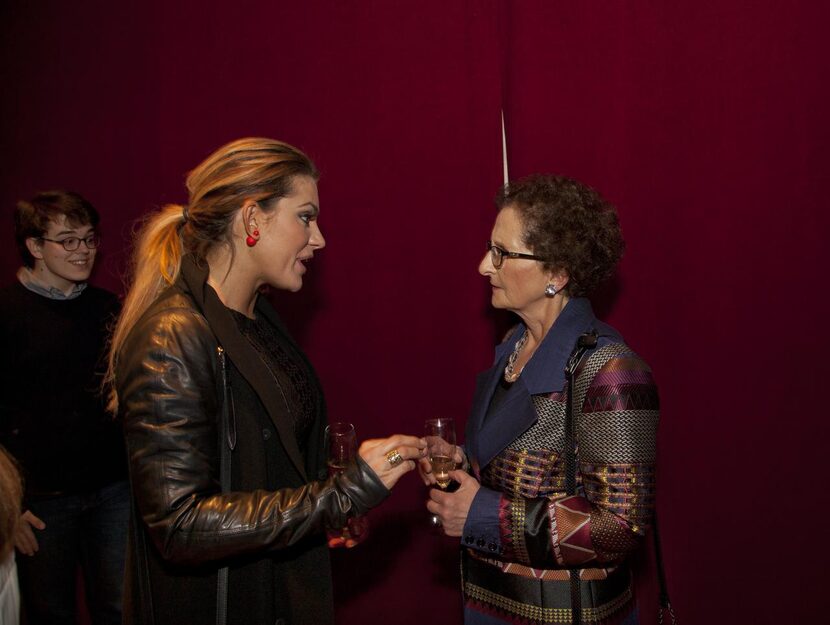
[253, 237]
[253, 233]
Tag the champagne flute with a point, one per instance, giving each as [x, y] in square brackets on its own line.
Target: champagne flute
[440, 437]
[341, 449]
[341, 446]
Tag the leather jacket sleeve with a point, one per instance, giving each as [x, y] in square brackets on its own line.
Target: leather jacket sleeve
[166, 381]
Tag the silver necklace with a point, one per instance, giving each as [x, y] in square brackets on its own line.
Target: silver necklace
[509, 375]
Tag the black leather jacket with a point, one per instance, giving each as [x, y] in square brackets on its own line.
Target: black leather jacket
[170, 390]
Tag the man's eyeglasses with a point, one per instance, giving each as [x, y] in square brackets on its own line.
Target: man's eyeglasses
[70, 244]
[497, 255]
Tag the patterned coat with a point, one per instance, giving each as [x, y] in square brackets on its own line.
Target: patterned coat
[523, 533]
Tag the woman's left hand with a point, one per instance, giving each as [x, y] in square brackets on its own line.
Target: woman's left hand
[453, 508]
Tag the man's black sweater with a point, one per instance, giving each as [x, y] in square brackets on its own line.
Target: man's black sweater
[52, 416]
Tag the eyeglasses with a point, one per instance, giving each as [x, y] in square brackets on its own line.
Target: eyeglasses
[70, 244]
[497, 255]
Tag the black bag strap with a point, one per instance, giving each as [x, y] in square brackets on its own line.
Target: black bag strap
[227, 436]
[145, 588]
[583, 344]
[586, 342]
[663, 598]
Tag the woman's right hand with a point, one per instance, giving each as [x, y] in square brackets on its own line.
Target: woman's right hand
[425, 467]
[374, 453]
[24, 537]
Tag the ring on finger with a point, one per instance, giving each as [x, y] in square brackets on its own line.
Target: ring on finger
[394, 457]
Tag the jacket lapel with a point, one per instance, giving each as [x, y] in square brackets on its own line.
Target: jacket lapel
[485, 386]
[544, 374]
[245, 358]
[315, 462]
[514, 416]
[486, 436]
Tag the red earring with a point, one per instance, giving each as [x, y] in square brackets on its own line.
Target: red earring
[251, 239]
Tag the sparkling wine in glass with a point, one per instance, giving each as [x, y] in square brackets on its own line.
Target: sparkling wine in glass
[440, 437]
[341, 448]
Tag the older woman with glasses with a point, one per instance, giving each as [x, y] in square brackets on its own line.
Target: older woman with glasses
[560, 441]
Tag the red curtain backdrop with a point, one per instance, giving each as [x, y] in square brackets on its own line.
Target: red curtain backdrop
[705, 123]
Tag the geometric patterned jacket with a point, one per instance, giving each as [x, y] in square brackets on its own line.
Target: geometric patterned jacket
[523, 534]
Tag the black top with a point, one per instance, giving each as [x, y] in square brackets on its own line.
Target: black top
[290, 376]
[262, 588]
[498, 397]
[52, 412]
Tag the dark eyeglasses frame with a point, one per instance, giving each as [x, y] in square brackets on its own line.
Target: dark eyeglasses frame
[91, 241]
[498, 254]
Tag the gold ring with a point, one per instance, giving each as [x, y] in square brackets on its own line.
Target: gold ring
[394, 457]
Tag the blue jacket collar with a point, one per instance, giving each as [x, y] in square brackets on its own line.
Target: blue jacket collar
[545, 372]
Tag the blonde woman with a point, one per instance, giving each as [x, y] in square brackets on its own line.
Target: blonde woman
[223, 414]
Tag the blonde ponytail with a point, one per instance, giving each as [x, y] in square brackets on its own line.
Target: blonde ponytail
[156, 263]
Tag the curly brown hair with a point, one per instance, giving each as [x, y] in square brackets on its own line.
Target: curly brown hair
[570, 225]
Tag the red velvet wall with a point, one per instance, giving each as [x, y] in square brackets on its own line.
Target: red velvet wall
[705, 123]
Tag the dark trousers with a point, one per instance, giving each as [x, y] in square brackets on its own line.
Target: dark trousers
[89, 530]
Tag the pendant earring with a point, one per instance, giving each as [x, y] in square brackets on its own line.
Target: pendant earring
[550, 290]
[252, 238]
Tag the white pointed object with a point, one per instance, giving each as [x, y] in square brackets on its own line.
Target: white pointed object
[504, 149]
